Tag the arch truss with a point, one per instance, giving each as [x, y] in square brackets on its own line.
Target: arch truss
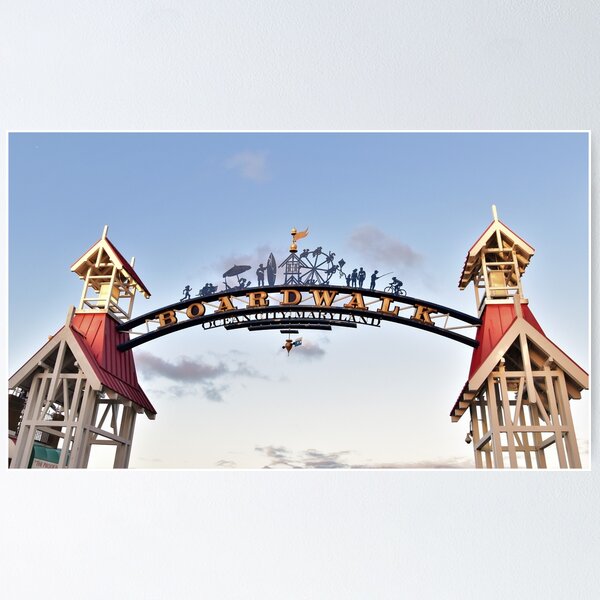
[299, 307]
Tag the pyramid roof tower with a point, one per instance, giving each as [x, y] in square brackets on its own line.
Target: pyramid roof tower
[91, 341]
[110, 281]
[497, 235]
[499, 338]
[81, 390]
[520, 383]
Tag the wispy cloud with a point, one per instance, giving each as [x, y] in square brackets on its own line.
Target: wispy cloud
[184, 369]
[315, 459]
[226, 464]
[243, 369]
[196, 371]
[383, 249]
[249, 165]
[213, 392]
[280, 456]
[252, 259]
[310, 350]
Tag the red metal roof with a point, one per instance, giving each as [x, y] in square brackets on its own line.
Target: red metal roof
[98, 337]
[495, 322]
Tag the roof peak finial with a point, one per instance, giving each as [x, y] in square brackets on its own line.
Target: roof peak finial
[494, 212]
[297, 235]
[104, 232]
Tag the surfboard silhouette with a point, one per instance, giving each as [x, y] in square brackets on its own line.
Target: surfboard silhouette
[271, 269]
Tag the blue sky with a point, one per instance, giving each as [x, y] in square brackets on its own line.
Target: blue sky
[188, 206]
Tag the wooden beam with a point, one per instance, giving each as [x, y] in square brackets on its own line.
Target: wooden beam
[476, 434]
[508, 418]
[109, 435]
[548, 442]
[484, 440]
[565, 411]
[492, 405]
[560, 448]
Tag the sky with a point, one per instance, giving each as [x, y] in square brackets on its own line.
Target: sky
[190, 205]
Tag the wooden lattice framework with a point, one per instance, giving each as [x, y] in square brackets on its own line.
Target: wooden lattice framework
[110, 283]
[520, 383]
[80, 390]
[68, 407]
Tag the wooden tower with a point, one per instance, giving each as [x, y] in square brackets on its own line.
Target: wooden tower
[110, 283]
[80, 390]
[520, 383]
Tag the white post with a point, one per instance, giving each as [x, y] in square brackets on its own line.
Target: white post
[494, 424]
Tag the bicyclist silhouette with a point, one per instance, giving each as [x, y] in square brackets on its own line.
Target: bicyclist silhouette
[395, 287]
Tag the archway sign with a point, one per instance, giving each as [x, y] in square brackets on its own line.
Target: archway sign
[81, 389]
[287, 307]
[306, 299]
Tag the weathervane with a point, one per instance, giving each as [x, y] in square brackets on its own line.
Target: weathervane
[297, 235]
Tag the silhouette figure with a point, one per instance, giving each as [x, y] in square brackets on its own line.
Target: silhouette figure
[354, 277]
[348, 277]
[374, 278]
[396, 285]
[186, 293]
[208, 288]
[260, 275]
[361, 277]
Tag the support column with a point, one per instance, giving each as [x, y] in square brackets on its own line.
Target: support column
[78, 455]
[565, 411]
[494, 423]
[125, 431]
[508, 422]
[476, 433]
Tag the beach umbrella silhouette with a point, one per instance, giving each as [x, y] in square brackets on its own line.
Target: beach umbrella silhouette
[236, 270]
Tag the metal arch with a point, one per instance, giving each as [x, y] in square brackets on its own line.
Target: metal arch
[279, 314]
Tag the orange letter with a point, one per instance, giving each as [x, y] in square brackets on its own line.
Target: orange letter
[291, 297]
[323, 297]
[385, 307]
[167, 318]
[225, 304]
[422, 314]
[356, 302]
[257, 299]
[195, 310]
